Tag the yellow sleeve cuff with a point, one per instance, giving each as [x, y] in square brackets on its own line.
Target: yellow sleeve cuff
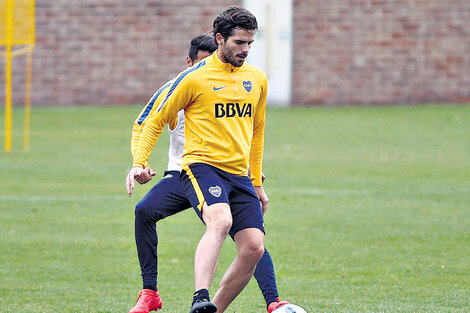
[257, 182]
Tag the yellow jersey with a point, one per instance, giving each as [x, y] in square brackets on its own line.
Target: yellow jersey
[224, 109]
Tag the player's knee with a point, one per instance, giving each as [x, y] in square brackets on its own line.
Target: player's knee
[257, 251]
[225, 225]
[143, 211]
[221, 226]
[251, 244]
[252, 253]
[218, 219]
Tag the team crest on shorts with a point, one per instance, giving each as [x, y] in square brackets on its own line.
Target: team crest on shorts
[216, 191]
[247, 85]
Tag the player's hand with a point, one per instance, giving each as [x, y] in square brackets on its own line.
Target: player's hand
[130, 179]
[146, 175]
[263, 198]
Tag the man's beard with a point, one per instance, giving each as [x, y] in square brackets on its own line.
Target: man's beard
[231, 58]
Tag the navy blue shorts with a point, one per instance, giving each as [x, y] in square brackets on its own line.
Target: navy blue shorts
[206, 183]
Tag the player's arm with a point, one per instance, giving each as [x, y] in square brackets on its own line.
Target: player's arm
[263, 177]
[146, 112]
[142, 118]
[178, 96]
[148, 172]
[138, 126]
[257, 142]
[257, 145]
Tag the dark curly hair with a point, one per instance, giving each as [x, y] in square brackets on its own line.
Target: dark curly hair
[233, 18]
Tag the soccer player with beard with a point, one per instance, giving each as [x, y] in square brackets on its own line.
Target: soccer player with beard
[167, 198]
[224, 103]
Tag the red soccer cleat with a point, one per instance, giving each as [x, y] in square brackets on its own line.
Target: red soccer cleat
[147, 301]
[274, 305]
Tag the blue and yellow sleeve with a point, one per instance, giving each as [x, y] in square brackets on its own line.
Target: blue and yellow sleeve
[143, 116]
[174, 98]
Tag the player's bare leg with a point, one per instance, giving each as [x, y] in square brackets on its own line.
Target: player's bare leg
[250, 248]
[218, 220]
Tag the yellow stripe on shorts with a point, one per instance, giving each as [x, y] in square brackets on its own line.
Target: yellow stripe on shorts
[200, 196]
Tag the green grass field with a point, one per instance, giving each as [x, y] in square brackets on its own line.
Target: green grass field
[369, 212]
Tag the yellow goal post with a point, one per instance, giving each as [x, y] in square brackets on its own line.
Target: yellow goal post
[17, 35]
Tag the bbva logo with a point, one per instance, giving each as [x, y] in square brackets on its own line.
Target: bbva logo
[232, 109]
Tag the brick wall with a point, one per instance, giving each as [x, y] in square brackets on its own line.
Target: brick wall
[110, 52]
[345, 52]
[381, 51]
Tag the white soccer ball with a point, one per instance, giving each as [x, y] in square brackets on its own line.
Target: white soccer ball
[289, 308]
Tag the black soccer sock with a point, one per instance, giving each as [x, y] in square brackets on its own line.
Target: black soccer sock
[201, 294]
[151, 287]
